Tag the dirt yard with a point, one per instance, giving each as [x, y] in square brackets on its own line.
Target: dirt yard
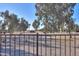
[47, 45]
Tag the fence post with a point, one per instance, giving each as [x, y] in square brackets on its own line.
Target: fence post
[0, 44]
[37, 44]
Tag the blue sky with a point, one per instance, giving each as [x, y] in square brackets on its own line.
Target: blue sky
[28, 10]
[76, 13]
[25, 10]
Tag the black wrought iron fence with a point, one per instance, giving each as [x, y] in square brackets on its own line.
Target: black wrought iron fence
[39, 44]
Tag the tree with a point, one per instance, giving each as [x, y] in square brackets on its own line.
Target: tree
[5, 16]
[62, 12]
[42, 15]
[23, 24]
[76, 28]
[11, 22]
[36, 24]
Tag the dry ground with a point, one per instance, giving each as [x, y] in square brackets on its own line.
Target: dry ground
[49, 45]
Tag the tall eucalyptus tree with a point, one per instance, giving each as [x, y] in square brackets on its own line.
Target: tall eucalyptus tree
[59, 13]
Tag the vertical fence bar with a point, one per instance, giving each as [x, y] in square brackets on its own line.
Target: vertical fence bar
[10, 44]
[5, 44]
[24, 43]
[65, 45]
[60, 45]
[74, 45]
[70, 45]
[29, 43]
[19, 44]
[33, 45]
[50, 46]
[14, 45]
[41, 44]
[0, 43]
[37, 45]
[45, 45]
[55, 45]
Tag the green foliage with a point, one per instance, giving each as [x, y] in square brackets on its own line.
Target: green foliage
[55, 16]
[35, 24]
[23, 25]
[12, 23]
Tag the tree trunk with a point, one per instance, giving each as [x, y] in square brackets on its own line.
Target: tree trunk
[46, 25]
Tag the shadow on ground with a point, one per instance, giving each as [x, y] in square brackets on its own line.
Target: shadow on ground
[17, 52]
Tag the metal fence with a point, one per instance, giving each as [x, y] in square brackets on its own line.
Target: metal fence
[39, 44]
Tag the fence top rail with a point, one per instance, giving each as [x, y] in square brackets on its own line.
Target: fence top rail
[40, 34]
